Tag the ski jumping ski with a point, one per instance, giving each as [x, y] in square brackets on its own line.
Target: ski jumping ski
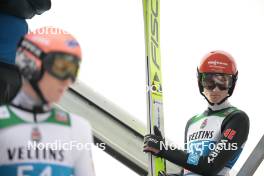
[151, 9]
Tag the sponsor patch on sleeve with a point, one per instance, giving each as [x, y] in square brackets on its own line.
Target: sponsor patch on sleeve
[229, 133]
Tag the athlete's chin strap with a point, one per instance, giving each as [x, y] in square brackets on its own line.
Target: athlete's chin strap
[27, 103]
[212, 104]
[36, 88]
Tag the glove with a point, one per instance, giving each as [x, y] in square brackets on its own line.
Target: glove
[162, 173]
[154, 143]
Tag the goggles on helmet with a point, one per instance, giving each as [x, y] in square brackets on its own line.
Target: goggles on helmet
[61, 65]
[210, 81]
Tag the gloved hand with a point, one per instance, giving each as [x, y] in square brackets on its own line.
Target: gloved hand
[154, 143]
[162, 173]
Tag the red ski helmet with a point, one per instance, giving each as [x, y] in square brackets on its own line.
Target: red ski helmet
[48, 49]
[218, 62]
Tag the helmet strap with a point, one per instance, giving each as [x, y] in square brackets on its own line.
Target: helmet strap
[36, 88]
[212, 104]
[34, 83]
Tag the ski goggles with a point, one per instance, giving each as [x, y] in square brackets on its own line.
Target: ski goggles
[210, 81]
[61, 65]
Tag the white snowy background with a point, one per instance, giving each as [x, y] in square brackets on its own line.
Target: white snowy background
[112, 37]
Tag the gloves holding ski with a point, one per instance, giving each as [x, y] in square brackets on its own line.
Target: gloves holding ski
[154, 143]
[162, 173]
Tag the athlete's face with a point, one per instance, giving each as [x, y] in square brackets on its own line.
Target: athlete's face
[52, 88]
[216, 95]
